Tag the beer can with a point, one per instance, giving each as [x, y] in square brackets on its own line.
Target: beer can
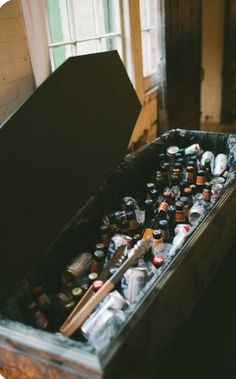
[182, 228]
[195, 148]
[76, 268]
[114, 300]
[208, 155]
[220, 164]
[197, 210]
[135, 280]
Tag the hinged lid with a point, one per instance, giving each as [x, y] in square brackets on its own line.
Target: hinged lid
[56, 149]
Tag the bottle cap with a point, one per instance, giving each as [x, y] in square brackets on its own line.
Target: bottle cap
[163, 224]
[97, 284]
[99, 255]
[149, 203]
[171, 209]
[92, 276]
[157, 234]
[172, 150]
[77, 291]
[158, 261]
[188, 190]
[100, 246]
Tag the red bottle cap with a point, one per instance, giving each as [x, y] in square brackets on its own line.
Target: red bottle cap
[158, 261]
[97, 284]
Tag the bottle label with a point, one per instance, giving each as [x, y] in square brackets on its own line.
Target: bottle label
[179, 217]
[164, 206]
[200, 181]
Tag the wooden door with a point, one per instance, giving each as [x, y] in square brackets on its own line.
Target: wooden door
[180, 50]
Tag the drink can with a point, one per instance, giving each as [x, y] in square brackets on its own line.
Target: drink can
[195, 148]
[208, 155]
[135, 280]
[182, 229]
[197, 210]
[114, 300]
[220, 164]
[172, 150]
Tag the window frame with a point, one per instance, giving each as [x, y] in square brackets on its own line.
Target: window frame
[131, 41]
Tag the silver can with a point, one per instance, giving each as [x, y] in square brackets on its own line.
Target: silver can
[135, 280]
[197, 211]
[114, 300]
[220, 164]
[208, 155]
[195, 148]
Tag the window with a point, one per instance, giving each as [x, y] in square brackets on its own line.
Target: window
[77, 27]
[148, 15]
[98, 28]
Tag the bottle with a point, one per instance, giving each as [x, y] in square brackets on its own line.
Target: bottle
[208, 172]
[76, 293]
[164, 226]
[149, 188]
[160, 181]
[188, 192]
[184, 200]
[134, 226]
[162, 210]
[206, 194]
[190, 174]
[105, 235]
[149, 213]
[171, 219]
[97, 263]
[37, 317]
[179, 213]
[157, 242]
[200, 180]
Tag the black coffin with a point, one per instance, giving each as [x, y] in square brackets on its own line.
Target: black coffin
[62, 170]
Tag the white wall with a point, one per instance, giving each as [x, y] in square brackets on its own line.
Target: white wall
[16, 77]
[212, 59]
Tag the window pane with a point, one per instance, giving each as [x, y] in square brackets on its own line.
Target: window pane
[111, 43]
[83, 18]
[148, 14]
[146, 53]
[57, 21]
[86, 47]
[58, 55]
[153, 47]
[153, 13]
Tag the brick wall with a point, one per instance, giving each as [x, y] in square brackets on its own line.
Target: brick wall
[16, 77]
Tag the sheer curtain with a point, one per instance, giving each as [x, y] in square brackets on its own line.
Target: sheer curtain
[36, 31]
[2, 2]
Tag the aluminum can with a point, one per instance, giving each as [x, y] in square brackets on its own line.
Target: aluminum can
[114, 300]
[208, 155]
[135, 280]
[220, 164]
[197, 210]
[76, 268]
[195, 148]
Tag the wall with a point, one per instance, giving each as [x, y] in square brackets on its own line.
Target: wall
[212, 59]
[16, 77]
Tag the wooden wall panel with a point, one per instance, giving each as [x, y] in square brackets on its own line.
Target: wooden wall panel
[180, 90]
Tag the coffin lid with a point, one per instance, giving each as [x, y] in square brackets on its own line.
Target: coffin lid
[55, 151]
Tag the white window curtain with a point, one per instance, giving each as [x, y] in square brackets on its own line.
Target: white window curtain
[2, 2]
[36, 31]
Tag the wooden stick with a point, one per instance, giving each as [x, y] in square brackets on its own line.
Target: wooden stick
[118, 254]
[79, 317]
